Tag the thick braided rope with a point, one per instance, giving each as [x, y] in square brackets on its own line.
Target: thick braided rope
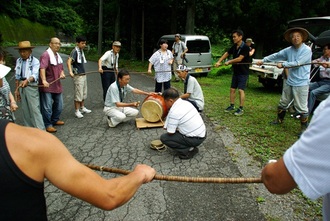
[181, 178]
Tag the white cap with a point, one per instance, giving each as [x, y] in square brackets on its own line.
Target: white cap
[182, 67]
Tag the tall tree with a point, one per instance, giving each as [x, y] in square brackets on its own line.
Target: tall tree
[190, 21]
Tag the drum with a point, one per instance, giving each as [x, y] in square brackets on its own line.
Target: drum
[153, 108]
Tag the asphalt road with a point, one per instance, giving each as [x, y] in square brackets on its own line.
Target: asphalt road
[91, 141]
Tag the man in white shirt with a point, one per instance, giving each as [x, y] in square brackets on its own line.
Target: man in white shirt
[192, 90]
[115, 107]
[108, 66]
[184, 125]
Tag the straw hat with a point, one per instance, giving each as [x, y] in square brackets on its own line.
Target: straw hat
[303, 32]
[24, 45]
[157, 145]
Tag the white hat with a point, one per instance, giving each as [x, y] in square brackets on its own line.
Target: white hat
[116, 43]
[182, 67]
[4, 70]
[249, 40]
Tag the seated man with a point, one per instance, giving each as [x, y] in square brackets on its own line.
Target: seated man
[322, 86]
[192, 90]
[184, 125]
[115, 109]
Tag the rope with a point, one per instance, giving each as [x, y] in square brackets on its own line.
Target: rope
[272, 64]
[141, 72]
[181, 178]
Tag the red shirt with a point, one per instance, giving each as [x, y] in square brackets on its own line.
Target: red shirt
[53, 73]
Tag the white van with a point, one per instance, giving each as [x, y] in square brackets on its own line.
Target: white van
[199, 52]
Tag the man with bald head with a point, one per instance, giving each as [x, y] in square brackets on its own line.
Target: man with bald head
[51, 70]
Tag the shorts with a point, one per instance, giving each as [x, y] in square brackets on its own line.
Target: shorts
[80, 87]
[239, 81]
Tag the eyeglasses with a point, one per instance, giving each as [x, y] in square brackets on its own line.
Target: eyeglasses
[56, 43]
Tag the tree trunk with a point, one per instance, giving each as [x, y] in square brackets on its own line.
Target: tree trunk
[190, 22]
[142, 34]
[99, 43]
[117, 22]
[174, 16]
[133, 33]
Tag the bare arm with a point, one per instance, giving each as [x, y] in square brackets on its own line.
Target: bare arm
[136, 103]
[13, 104]
[68, 63]
[149, 68]
[277, 178]
[236, 60]
[100, 66]
[252, 52]
[43, 77]
[185, 96]
[49, 158]
[223, 57]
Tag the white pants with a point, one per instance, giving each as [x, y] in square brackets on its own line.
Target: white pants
[120, 114]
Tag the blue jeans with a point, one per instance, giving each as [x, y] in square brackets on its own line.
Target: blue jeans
[316, 89]
[51, 107]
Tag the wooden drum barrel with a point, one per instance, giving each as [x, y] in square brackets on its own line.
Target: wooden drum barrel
[153, 108]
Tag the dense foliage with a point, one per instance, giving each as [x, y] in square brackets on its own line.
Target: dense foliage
[126, 20]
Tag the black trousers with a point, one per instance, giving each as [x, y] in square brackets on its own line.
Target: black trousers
[107, 78]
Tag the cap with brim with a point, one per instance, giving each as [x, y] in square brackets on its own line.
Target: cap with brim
[24, 45]
[303, 32]
[249, 40]
[4, 70]
[116, 43]
[182, 67]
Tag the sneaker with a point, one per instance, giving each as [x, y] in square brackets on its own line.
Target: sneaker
[239, 112]
[276, 122]
[188, 155]
[296, 115]
[230, 108]
[78, 114]
[110, 122]
[85, 110]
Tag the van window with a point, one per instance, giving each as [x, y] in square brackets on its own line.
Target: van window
[198, 46]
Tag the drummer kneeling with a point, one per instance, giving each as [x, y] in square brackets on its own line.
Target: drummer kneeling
[184, 125]
[115, 108]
